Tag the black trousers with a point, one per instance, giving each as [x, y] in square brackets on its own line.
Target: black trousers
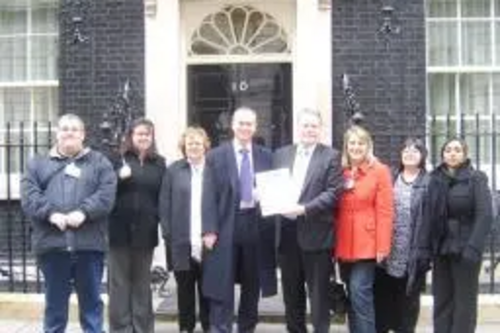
[455, 285]
[395, 310]
[246, 274]
[188, 285]
[298, 269]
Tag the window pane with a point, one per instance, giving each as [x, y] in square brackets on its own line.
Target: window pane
[474, 90]
[476, 8]
[12, 21]
[476, 45]
[443, 46]
[46, 104]
[442, 94]
[16, 105]
[496, 95]
[441, 8]
[12, 59]
[44, 57]
[478, 140]
[16, 152]
[497, 8]
[497, 43]
[44, 20]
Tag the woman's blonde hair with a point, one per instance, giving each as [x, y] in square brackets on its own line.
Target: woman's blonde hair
[363, 135]
[193, 131]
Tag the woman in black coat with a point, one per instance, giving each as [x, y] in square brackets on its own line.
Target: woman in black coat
[459, 214]
[133, 230]
[399, 279]
[187, 231]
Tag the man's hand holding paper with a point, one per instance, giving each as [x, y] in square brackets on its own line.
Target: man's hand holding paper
[278, 194]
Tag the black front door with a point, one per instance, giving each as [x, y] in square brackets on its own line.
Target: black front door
[215, 91]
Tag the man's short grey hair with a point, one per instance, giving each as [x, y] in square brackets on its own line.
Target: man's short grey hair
[70, 117]
[310, 112]
[242, 109]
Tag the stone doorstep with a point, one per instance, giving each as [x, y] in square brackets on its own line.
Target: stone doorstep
[30, 307]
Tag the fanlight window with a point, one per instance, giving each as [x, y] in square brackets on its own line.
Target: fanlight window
[239, 30]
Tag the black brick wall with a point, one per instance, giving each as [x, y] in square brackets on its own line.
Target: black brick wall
[387, 75]
[92, 72]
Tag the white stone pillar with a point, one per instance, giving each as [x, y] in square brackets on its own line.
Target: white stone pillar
[324, 70]
[312, 62]
[163, 72]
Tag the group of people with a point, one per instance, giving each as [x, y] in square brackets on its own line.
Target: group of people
[383, 228]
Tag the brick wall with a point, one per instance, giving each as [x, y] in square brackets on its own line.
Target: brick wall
[93, 70]
[387, 71]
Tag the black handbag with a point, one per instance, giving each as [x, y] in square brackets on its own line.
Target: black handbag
[337, 295]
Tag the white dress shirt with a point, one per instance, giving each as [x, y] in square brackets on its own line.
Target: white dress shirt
[196, 194]
[239, 156]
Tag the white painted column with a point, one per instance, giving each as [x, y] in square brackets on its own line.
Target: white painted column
[312, 62]
[163, 70]
[304, 53]
[324, 71]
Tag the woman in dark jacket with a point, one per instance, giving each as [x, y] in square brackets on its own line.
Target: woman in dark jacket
[133, 230]
[460, 216]
[183, 200]
[399, 280]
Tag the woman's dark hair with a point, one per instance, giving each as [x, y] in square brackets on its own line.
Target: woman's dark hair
[462, 143]
[128, 145]
[418, 145]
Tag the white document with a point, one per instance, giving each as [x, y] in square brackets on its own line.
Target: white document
[276, 191]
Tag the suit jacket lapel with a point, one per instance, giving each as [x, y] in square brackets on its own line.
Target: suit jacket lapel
[311, 168]
[258, 164]
[233, 167]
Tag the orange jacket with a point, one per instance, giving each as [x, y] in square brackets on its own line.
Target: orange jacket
[365, 213]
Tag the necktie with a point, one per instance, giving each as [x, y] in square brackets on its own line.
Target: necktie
[246, 179]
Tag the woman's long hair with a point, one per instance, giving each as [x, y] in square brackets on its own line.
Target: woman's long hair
[127, 144]
[363, 135]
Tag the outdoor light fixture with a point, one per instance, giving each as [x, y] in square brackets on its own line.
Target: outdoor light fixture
[77, 22]
[389, 26]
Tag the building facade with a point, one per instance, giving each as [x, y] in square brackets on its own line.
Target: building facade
[429, 68]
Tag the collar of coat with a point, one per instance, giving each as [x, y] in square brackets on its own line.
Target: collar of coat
[461, 173]
[54, 153]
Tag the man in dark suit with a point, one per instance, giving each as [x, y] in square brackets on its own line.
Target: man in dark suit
[306, 230]
[244, 251]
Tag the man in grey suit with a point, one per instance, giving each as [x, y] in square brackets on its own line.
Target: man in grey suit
[305, 231]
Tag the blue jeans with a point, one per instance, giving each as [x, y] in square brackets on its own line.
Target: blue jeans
[62, 270]
[359, 276]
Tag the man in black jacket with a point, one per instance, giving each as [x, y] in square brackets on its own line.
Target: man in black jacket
[68, 195]
[306, 230]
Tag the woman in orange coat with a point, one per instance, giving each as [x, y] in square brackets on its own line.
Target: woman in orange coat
[363, 225]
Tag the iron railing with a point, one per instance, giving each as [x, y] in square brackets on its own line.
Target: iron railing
[20, 141]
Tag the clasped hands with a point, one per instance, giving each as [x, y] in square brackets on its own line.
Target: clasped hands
[64, 221]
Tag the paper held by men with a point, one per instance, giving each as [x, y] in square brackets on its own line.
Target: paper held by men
[276, 190]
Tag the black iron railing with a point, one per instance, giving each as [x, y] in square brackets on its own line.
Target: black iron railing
[20, 141]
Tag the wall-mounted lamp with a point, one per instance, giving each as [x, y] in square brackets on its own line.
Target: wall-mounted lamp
[79, 9]
[389, 26]
[78, 36]
[150, 8]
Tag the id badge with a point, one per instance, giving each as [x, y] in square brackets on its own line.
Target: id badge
[73, 171]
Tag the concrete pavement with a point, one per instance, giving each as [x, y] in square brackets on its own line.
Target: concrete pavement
[22, 313]
[17, 326]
